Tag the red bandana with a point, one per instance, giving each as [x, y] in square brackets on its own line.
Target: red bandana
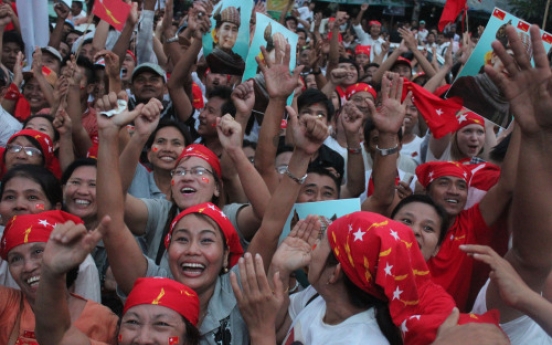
[167, 293]
[212, 211]
[381, 257]
[198, 150]
[470, 118]
[360, 87]
[30, 228]
[374, 22]
[428, 172]
[360, 49]
[43, 139]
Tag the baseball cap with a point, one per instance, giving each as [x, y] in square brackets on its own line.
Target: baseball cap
[150, 67]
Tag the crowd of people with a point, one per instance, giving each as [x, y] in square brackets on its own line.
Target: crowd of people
[145, 188]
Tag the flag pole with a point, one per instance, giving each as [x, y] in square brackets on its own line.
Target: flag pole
[545, 15]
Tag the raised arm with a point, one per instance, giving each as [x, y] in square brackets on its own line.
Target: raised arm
[437, 80]
[121, 45]
[352, 118]
[412, 45]
[388, 120]
[279, 85]
[529, 90]
[387, 64]
[125, 256]
[62, 11]
[68, 246]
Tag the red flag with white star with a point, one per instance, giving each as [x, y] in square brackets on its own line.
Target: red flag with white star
[439, 114]
[115, 12]
[450, 12]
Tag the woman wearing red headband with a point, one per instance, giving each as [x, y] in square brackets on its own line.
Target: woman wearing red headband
[22, 246]
[158, 310]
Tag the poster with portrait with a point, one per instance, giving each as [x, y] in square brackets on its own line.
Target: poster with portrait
[478, 92]
[269, 34]
[327, 210]
[226, 45]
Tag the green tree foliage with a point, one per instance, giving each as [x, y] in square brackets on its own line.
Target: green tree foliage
[531, 11]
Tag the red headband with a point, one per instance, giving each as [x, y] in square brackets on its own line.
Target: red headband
[382, 258]
[30, 228]
[360, 87]
[470, 118]
[166, 293]
[212, 211]
[131, 55]
[374, 22]
[200, 151]
[360, 49]
[43, 139]
[428, 172]
[403, 60]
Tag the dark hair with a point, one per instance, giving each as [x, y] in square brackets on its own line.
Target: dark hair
[81, 162]
[78, 3]
[361, 299]
[498, 152]
[303, 31]
[167, 122]
[47, 181]
[224, 93]
[13, 37]
[352, 62]
[424, 199]
[292, 18]
[369, 126]
[249, 143]
[50, 119]
[322, 171]
[192, 333]
[315, 96]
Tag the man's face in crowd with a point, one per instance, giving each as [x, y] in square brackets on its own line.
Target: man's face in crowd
[440, 39]
[208, 117]
[51, 62]
[403, 70]
[304, 57]
[127, 67]
[318, 188]
[301, 39]
[352, 73]
[64, 49]
[75, 8]
[450, 193]
[213, 80]
[291, 25]
[9, 54]
[147, 85]
[33, 93]
[88, 51]
[375, 30]
[71, 38]
[317, 109]
[430, 38]
[362, 59]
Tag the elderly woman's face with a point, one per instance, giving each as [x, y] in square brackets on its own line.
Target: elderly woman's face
[227, 35]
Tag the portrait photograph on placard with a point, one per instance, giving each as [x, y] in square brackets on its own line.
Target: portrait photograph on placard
[226, 45]
[474, 86]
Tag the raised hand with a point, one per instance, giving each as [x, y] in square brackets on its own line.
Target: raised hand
[280, 83]
[389, 118]
[69, 244]
[338, 75]
[18, 69]
[363, 7]
[243, 97]
[511, 287]
[5, 14]
[110, 102]
[62, 122]
[112, 65]
[527, 88]
[308, 133]
[148, 119]
[295, 251]
[351, 118]
[409, 39]
[257, 301]
[132, 18]
[199, 21]
[61, 10]
[36, 67]
[229, 132]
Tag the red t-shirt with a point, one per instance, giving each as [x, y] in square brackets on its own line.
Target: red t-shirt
[452, 268]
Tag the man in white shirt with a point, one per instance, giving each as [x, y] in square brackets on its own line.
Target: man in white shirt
[422, 32]
[373, 37]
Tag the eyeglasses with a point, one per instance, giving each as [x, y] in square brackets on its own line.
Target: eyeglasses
[29, 151]
[281, 169]
[195, 171]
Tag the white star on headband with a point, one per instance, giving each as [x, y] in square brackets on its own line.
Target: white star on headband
[358, 235]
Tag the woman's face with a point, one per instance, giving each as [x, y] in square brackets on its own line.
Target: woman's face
[25, 263]
[79, 193]
[470, 140]
[42, 125]
[167, 146]
[23, 196]
[28, 154]
[352, 73]
[190, 190]
[227, 34]
[33, 93]
[151, 324]
[424, 220]
[362, 59]
[196, 253]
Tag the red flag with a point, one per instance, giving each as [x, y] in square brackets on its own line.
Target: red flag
[499, 14]
[439, 114]
[115, 12]
[450, 12]
[523, 26]
[546, 37]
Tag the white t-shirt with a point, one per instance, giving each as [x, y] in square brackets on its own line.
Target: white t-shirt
[308, 326]
[412, 149]
[521, 331]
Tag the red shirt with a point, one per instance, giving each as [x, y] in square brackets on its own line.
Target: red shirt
[452, 268]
